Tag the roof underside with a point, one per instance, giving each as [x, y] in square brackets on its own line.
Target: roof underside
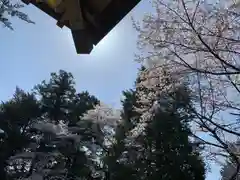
[84, 40]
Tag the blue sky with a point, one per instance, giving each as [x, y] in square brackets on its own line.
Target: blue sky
[31, 52]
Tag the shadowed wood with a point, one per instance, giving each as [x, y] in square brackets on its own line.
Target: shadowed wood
[97, 18]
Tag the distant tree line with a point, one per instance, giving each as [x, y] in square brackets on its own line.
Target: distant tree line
[57, 133]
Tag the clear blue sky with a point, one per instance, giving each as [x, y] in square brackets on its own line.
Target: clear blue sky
[31, 52]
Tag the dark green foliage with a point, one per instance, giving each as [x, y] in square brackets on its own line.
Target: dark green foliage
[8, 9]
[59, 100]
[56, 95]
[117, 170]
[164, 152]
[167, 145]
[16, 116]
[168, 136]
[56, 100]
[129, 115]
[81, 103]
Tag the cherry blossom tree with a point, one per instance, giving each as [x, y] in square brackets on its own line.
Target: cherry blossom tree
[196, 43]
[51, 163]
[103, 115]
[103, 119]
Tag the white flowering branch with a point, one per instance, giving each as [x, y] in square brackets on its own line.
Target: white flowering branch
[198, 42]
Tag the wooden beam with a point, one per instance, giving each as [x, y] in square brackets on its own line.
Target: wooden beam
[89, 20]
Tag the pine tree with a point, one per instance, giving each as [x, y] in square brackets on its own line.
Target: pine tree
[56, 95]
[59, 100]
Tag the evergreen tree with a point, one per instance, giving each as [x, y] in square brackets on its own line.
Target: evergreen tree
[152, 142]
[118, 167]
[161, 135]
[56, 96]
[60, 103]
[16, 116]
[59, 100]
[40, 136]
[171, 153]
